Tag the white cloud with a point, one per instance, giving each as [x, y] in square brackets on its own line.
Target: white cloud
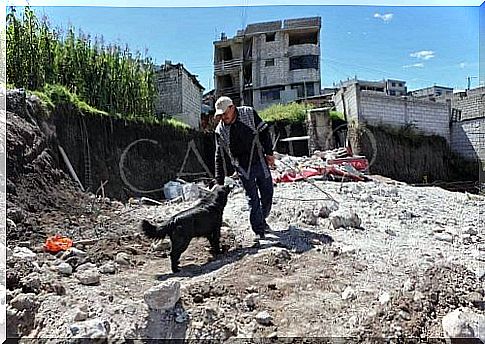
[415, 65]
[463, 65]
[423, 54]
[385, 17]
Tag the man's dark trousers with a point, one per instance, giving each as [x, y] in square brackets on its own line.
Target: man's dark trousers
[258, 178]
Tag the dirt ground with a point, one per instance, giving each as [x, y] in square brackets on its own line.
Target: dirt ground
[415, 255]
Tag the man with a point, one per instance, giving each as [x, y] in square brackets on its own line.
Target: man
[244, 137]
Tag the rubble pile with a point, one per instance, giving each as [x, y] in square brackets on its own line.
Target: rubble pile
[357, 259]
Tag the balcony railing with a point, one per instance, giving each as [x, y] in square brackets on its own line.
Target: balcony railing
[228, 66]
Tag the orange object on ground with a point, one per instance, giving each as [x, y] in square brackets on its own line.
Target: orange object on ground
[57, 243]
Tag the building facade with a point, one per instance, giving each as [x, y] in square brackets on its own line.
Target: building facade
[269, 63]
[179, 94]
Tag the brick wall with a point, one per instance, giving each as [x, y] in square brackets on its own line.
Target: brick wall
[471, 103]
[191, 102]
[169, 98]
[428, 117]
[468, 138]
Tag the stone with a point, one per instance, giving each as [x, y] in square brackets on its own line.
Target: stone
[31, 283]
[344, 218]
[86, 266]
[80, 315]
[464, 323]
[404, 315]
[264, 318]
[88, 277]
[122, 258]
[72, 251]
[26, 301]
[90, 329]
[11, 226]
[444, 237]
[250, 301]
[64, 268]
[198, 298]
[384, 298]
[349, 294]
[163, 296]
[23, 253]
[161, 245]
[309, 217]
[107, 268]
[408, 285]
[470, 231]
[209, 315]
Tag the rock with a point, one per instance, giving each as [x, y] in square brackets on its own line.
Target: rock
[88, 277]
[345, 218]
[365, 197]
[470, 231]
[349, 294]
[80, 315]
[31, 283]
[11, 226]
[390, 232]
[161, 245]
[209, 315]
[308, 217]
[86, 266]
[464, 323]
[163, 296]
[181, 316]
[405, 315]
[25, 302]
[198, 298]
[64, 268]
[476, 299]
[122, 258]
[324, 212]
[23, 253]
[408, 285]
[444, 237]
[384, 298]
[250, 301]
[264, 318]
[90, 329]
[107, 268]
[73, 252]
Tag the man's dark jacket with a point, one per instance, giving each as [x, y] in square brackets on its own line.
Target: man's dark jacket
[237, 140]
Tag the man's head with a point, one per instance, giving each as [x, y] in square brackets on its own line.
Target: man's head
[225, 110]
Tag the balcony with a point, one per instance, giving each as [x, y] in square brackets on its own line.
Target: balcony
[303, 49]
[229, 66]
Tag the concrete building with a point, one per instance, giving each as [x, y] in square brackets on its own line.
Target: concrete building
[388, 86]
[269, 63]
[179, 94]
[435, 93]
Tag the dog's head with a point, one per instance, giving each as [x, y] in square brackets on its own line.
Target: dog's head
[221, 193]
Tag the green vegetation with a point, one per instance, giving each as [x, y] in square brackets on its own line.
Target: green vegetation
[337, 115]
[55, 95]
[107, 77]
[291, 113]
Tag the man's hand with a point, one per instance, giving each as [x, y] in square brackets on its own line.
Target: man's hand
[270, 161]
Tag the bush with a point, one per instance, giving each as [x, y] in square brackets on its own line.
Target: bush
[292, 113]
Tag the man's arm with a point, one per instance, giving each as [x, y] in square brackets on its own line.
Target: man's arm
[264, 136]
[219, 162]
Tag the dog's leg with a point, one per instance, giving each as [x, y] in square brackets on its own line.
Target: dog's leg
[214, 240]
[179, 245]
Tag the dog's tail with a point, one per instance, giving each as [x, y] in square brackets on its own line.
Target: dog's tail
[155, 232]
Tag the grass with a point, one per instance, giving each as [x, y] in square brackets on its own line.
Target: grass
[52, 96]
[292, 113]
[337, 115]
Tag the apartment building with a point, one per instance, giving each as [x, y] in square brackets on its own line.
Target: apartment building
[269, 63]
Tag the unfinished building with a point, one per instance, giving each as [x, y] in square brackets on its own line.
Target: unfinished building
[179, 94]
[268, 63]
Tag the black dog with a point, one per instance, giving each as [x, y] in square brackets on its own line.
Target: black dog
[202, 220]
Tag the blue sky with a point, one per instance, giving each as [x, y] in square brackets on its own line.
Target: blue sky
[421, 45]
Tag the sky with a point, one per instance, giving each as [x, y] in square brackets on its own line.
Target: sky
[423, 46]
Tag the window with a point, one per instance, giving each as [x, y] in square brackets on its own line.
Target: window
[301, 87]
[270, 37]
[304, 62]
[303, 38]
[392, 92]
[270, 94]
[299, 90]
[225, 54]
[393, 84]
[400, 84]
[269, 63]
[310, 90]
